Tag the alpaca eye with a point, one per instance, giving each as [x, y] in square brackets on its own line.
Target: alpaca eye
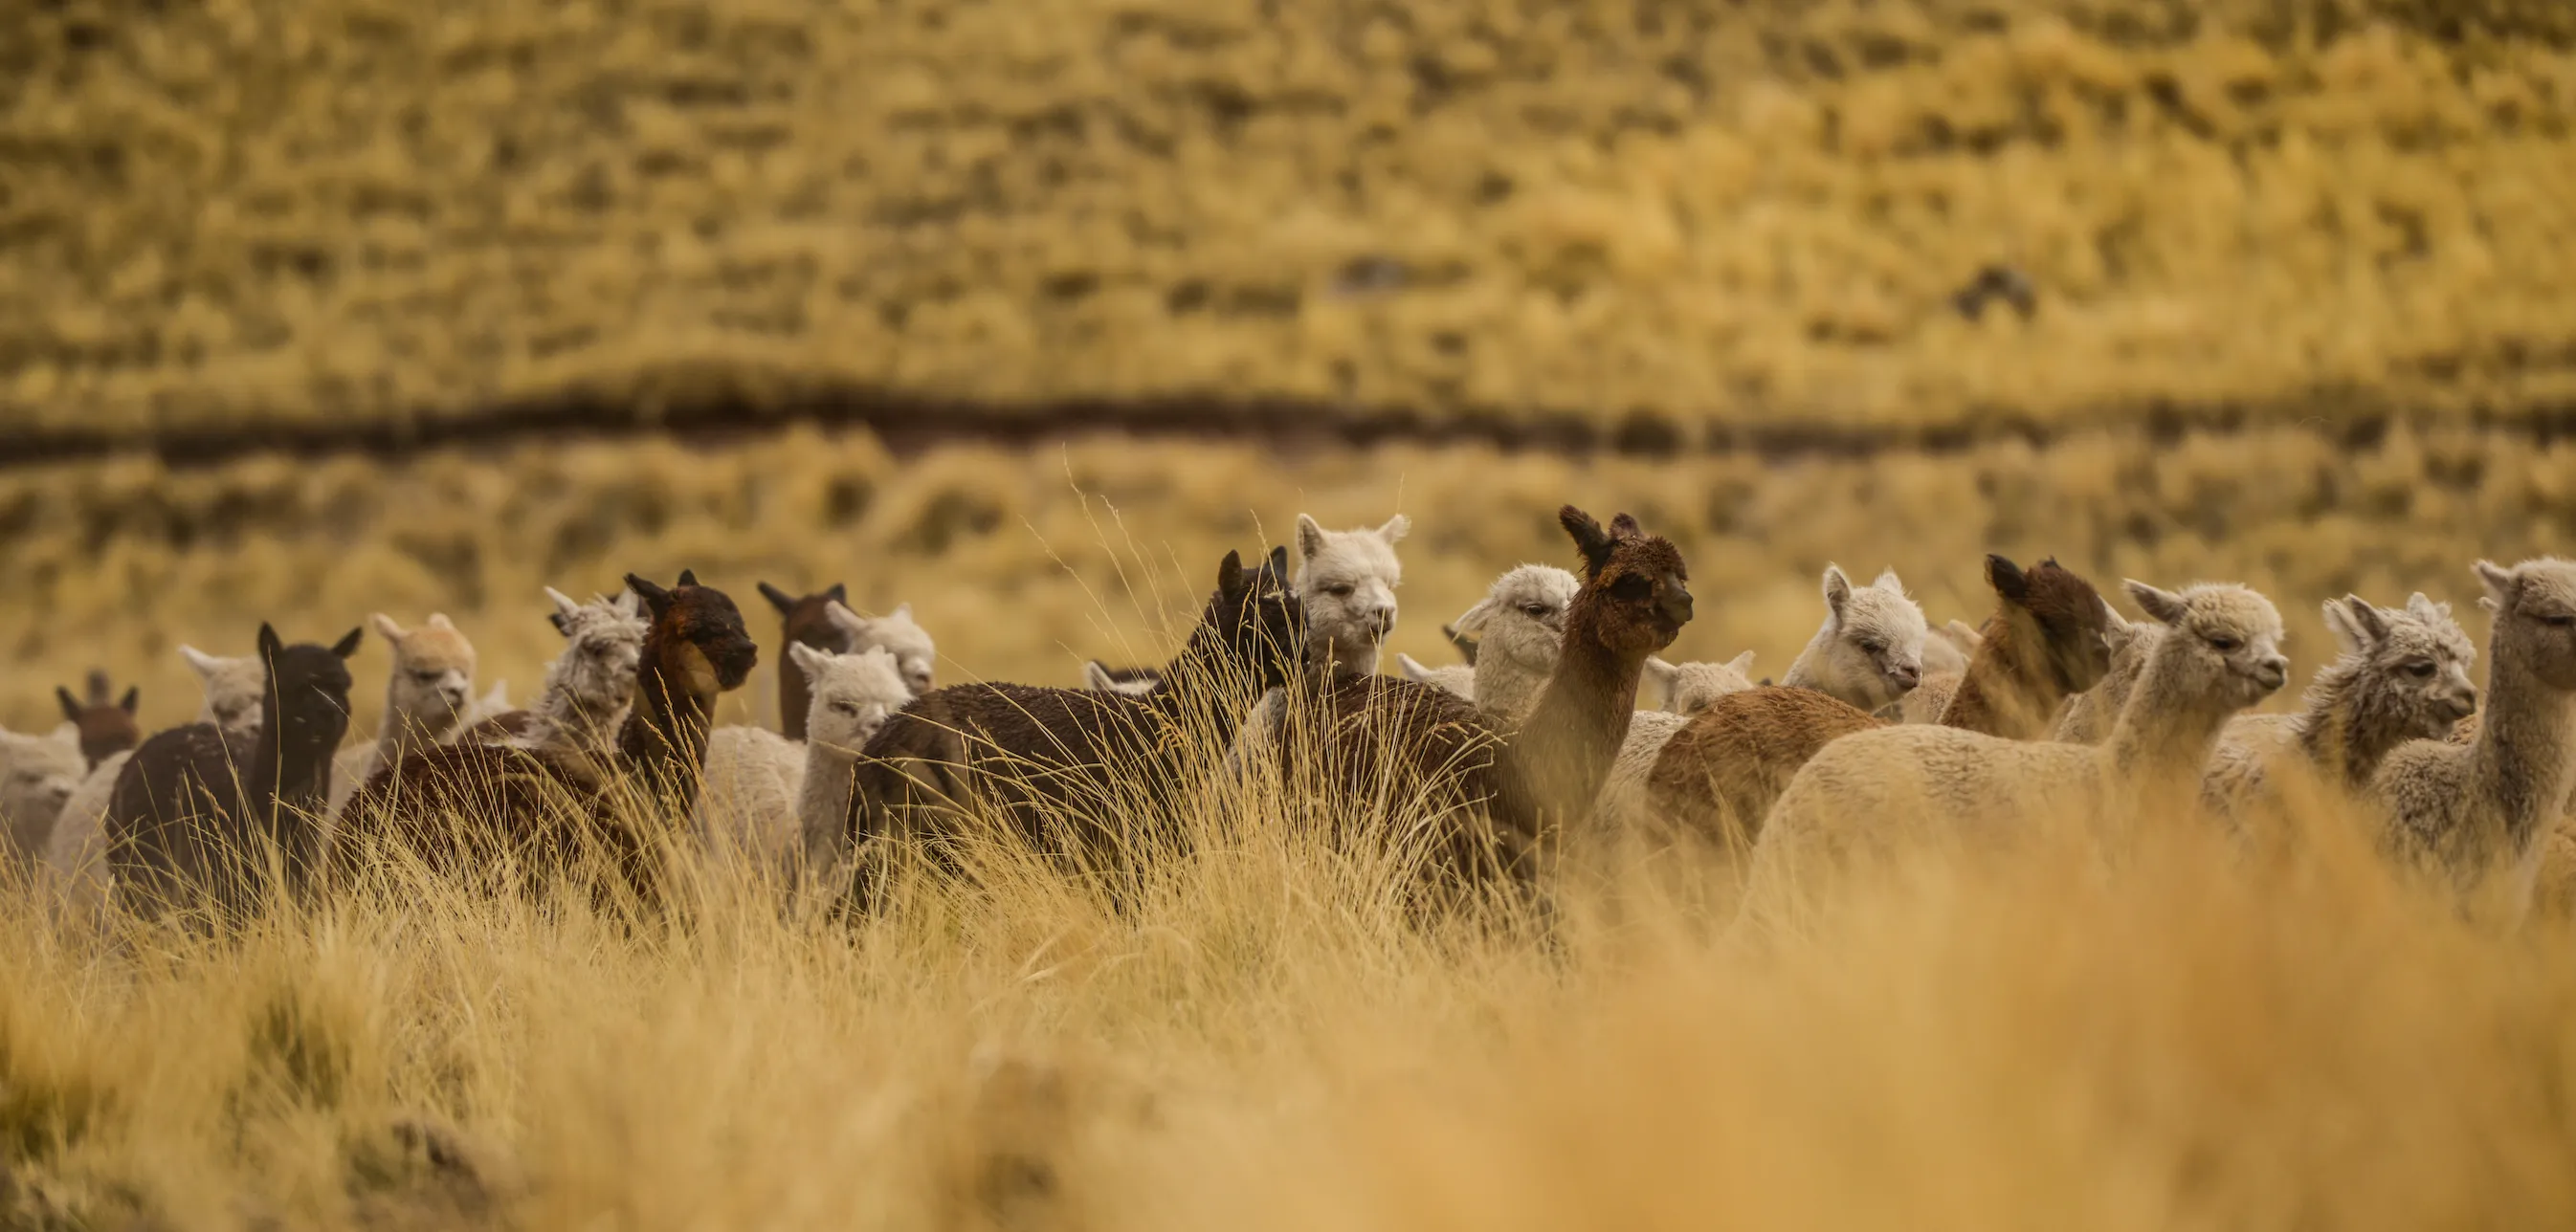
[1873, 647]
[2419, 668]
[1632, 587]
[2224, 644]
[427, 677]
[1536, 609]
[1340, 590]
[2559, 621]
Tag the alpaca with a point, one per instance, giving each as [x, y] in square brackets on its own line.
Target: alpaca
[2402, 675]
[2484, 806]
[494, 703]
[1521, 785]
[426, 697]
[1347, 580]
[1054, 761]
[908, 642]
[761, 803]
[2090, 715]
[1712, 778]
[1946, 654]
[584, 699]
[803, 623]
[106, 727]
[558, 804]
[197, 809]
[1099, 677]
[1458, 678]
[1869, 651]
[1690, 688]
[2045, 643]
[1862, 793]
[1518, 629]
[38, 776]
[232, 687]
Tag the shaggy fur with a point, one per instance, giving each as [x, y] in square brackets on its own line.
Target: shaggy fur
[106, 726]
[2481, 808]
[1864, 794]
[426, 698]
[1714, 779]
[199, 811]
[765, 794]
[1869, 651]
[1052, 763]
[2047, 641]
[73, 854]
[233, 685]
[908, 642]
[804, 622]
[1347, 580]
[2402, 674]
[587, 688]
[38, 777]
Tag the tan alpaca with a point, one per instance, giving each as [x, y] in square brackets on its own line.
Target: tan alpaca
[427, 696]
[1867, 793]
[2482, 808]
[2402, 674]
[1712, 781]
[1869, 651]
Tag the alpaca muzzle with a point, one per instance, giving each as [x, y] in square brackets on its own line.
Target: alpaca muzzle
[1677, 606]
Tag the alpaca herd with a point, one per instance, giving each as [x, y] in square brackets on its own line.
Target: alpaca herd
[1562, 736]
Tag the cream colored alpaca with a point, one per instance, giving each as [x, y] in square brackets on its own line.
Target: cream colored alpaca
[1348, 580]
[1868, 792]
[1690, 688]
[233, 684]
[590, 685]
[764, 793]
[2482, 808]
[910, 644]
[427, 697]
[1869, 651]
[2403, 674]
[38, 776]
[1519, 630]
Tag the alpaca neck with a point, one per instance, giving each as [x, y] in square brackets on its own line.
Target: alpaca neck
[404, 731]
[1565, 748]
[1506, 684]
[665, 737]
[2008, 689]
[288, 782]
[1203, 685]
[2165, 733]
[2339, 728]
[2523, 767]
[795, 697]
[823, 802]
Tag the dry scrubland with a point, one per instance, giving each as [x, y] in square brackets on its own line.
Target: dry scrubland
[1718, 214]
[1023, 564]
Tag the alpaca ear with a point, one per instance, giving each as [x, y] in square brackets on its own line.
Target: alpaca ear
[1889, 582]
[777, 598]
[1966, 637]
[1279, 562]
[133, 698]
[837, 591]
[1412, 670]
[348, 645]
[439, 620]
[2348, 635]
[1589, 538]
[2367, 620]
[1470, 624]
[1624, 526]
[688, 577]
[1466, 646]
[628, 603]
[2164, 605]
[1662, 675]
[2500, 582]
[1742, 665]
[845, 620]
[387, 629]
[71, 704]
[808, 660]
[1837, 590]
[2424, 609]
[199, 661]
[902, 611]
[1310, 537]
[268, 643]
[564, 606]
[655, 597]
[1231, 585]
[1396, 528]
[2006, 577]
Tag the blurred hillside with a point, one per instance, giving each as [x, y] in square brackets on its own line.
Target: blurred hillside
[225, 213]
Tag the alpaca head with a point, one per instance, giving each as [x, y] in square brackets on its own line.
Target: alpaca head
[1347, 580]
[2416, 658]
[807, 621]
[1258, 625]
[1690, 688]
[2221, 642]
[106, 726]
[307, 692]
[908, 642]
[853, 694]
[2535, 609]
[433, 675]
[1636, 594]
[2060, 614]
[696, 636]
[39, 773]
[603, 642]
[233, 684]
[1521, 619]
[1872, 642]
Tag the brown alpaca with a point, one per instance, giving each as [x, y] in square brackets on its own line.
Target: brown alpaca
[107, 728]
[556, 808]
[1273, 574]
[807, 622]
[1389, 738]
[1717, 777]
[1066, 765]
[2044, 644]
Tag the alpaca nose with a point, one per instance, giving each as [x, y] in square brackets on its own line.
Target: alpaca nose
[1677, 606]
[1905, 675]
[2272, 673]
[2464, 703]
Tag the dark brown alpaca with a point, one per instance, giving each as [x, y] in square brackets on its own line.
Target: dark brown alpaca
[1716, 778]
[107, 728]
[2046, 642]
[196, 811]
[1065, 766]
[1395, 739]
[1273, 574]
[808, 623]
[460, 807]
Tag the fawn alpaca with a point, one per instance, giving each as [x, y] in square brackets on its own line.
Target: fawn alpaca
[1863, 794]
[39, 775]
[803, 623]
[197, 810]
[2481, 808]
[2047, 641]
[560, 807]
[2402, 675]
[106, 727]
[426, 698]
[1063, 766]
[1514, 787]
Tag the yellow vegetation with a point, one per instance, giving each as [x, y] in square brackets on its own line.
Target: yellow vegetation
[370, 210]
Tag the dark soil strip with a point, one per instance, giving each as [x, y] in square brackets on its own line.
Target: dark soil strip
[910, 423]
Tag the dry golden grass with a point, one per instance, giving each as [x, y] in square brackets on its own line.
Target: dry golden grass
[278, 210]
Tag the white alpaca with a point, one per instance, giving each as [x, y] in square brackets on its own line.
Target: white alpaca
[427, 696]
[1518, 629]
[1869, 651]
[766, 798]
[1688, 688]
[1348, 580]
[38, 775]
[2403, 674]
[907, 641]
[1864, 794]
[233, 686]
[2480, 808]
[589, 686]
